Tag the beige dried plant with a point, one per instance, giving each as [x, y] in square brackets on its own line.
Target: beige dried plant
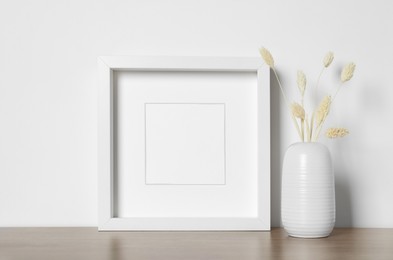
[309, 127]
[328, 59]
[267, 57]
[336, 132]
[301, 82]
[323, 110]
[298, 111]
[347, 72]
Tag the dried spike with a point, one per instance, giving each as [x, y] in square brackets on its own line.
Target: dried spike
[267, 57]
[336, 132]
[347, 72]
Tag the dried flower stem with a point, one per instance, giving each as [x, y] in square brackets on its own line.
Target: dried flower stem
[326, 63]
[319, 78]
[315, 96]
[297, 126]
[334, 97]
[338, 90]
[303, 121]
[281, 88]
[346, 74]
[312, 125]
[321, 113]
[287, 102]
[308, 130]
[318, 131]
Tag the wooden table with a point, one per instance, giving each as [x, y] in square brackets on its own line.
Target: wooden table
[87, 243]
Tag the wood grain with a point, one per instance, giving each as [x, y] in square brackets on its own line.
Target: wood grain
[87, 243]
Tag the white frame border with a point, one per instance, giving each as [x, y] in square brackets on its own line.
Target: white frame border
[106, 66]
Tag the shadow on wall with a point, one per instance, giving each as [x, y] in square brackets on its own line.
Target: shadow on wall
[275, 151]
[344, 217]
[343, 201]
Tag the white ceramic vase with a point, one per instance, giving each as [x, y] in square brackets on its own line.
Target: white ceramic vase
[308, 207]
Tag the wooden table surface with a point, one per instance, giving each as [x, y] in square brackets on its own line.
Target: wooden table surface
[88, 243]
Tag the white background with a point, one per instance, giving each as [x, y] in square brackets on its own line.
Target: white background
[48, 91]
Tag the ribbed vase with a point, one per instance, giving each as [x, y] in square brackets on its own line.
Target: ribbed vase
[308, 207]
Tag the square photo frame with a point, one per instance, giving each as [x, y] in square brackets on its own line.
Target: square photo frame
[183, 143]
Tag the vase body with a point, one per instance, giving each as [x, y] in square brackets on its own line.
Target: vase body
[308, 207]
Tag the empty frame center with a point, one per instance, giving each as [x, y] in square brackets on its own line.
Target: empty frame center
[185, 143]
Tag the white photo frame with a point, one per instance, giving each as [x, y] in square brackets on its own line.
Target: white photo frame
[258, 80]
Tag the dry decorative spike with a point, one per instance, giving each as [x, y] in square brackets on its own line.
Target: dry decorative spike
[328, 59]
[267, 57]
[336, 132]
[347, 72]
[323, 110]
[298, 110]
[301, 82]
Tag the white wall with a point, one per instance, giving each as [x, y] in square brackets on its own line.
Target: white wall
[48, 97]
